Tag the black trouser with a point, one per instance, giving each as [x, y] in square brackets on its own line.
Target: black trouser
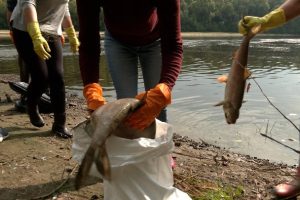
[44, 73]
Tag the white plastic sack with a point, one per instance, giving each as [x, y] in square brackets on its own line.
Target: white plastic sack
[140, 168]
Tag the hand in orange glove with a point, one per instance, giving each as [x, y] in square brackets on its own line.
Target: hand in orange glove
[156, 99]
[93, 94]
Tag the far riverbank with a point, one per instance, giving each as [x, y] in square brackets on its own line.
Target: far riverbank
[4, 34]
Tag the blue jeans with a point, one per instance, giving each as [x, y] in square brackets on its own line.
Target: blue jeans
[123, 61]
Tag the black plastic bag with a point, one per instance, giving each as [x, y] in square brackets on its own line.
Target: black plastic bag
[45, 105]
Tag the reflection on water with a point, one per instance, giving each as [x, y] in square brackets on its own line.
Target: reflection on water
[275, 64]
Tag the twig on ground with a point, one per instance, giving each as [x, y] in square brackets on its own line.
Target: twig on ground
[191, 156]
[58, 187]
[187, 178]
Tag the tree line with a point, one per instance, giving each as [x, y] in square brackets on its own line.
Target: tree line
[206, 15]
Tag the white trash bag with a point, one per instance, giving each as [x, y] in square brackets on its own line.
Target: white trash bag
[140, 168]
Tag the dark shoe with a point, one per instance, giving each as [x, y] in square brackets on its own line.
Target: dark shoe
[35, 118]
[288, 190]
[61, 131]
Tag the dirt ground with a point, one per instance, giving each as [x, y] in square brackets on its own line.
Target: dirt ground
[35, 164]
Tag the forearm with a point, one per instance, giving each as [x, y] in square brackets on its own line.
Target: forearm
[172, 50]
[291, 9]
[67, 22]
[171, 67]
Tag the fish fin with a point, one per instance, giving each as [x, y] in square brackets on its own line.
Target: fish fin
[222, 79]
[247, 73]
[102, 163]
[219, 104]
[85, 167]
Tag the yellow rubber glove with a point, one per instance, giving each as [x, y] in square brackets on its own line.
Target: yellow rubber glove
[269, 21]
[93, 94]
[73, 40]
[40, 45]
[157, 99]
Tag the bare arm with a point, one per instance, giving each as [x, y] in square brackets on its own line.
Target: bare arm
[291, 9]
[30, 14]
[67, 22]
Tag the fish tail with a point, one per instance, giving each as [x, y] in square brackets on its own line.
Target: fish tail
[102, 163]
[85, 167]
[253, 31]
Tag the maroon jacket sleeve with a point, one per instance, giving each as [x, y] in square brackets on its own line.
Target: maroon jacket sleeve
[171, 41]
[89, 37]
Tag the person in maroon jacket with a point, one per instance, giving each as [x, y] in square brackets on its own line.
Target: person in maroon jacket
[145, 33]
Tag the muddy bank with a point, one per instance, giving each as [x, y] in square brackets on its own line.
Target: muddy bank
[35, 163]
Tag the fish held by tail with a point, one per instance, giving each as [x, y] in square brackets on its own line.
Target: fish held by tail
[236, 80]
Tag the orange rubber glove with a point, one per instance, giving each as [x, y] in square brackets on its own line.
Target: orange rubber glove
[157, 99]
[93, 94]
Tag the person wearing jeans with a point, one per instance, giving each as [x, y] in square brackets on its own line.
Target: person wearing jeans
[125, 76]
[138, 33]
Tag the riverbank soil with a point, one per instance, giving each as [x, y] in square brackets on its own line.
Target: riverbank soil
[35, 164]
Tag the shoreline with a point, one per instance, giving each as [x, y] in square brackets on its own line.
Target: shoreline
[34, 160]
[4, 34]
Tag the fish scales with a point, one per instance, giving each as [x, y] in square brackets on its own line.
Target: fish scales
[108, 120]
[235, 84]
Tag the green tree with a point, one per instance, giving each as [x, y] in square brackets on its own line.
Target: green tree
[203, 15]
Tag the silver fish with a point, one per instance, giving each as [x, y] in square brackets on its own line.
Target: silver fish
[108, 120]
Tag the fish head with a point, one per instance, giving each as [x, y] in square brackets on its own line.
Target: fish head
[105, 121]
[231, 114]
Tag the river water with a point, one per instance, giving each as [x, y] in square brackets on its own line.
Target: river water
[275, 65]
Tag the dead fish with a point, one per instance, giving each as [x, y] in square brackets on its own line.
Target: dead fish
[108, 120]
[236, 81]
